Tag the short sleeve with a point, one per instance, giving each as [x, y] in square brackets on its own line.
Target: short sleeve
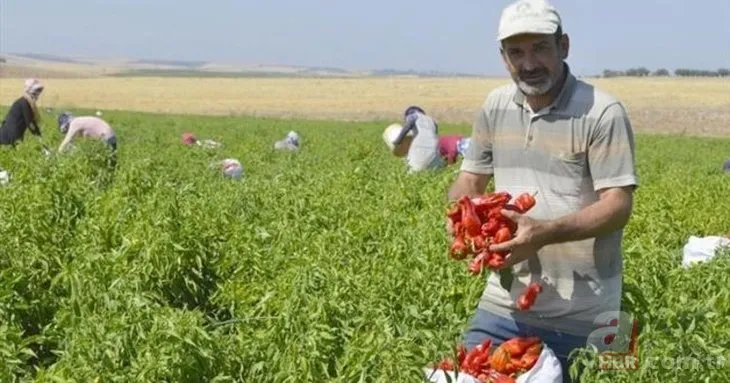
[611, 151]
[478, 156]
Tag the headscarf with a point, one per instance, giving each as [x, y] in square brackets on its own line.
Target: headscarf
[188, 138]
[63, 121]
[413, 109]
[33, 89]
[293, 138]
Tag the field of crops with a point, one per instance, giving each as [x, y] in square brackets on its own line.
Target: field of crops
[657, 105]
[328, 265]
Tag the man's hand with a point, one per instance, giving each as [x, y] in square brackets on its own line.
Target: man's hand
[530, 237]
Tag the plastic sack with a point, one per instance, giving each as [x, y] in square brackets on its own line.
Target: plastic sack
[232, 168]
[209, 144]
[702, 249]
[391, 133]
[285, 145]
[546, 370]
[4, 178]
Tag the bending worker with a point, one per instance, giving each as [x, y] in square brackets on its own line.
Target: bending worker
[86, 126]
[424, 152]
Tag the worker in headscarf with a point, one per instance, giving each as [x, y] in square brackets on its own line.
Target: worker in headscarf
[424, 152]
[23, 114]
[188, 138]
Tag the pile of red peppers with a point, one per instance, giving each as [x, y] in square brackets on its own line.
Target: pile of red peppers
[511, 358]
[477, 223]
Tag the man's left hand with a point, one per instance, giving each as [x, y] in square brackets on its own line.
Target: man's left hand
[530, 237]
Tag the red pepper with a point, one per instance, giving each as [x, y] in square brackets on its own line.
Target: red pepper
[535, 349]
[495, 260]
[517, 346]
[458, 250]
[525, 202]
[478, 243]
[485, 202]
[530, 357]
[490, 228]
[503, 235]
[461, 354]
[497, 377]
[446, 365]
[499, 360]
[482, 358]
[477, 264]
[527, 361]
[495, 213]
[527, 298]
[469, 218]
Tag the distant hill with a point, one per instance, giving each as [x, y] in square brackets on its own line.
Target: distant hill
[48, 65]
[186, 64]
[46, 57]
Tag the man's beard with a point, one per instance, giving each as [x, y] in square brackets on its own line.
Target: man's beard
[535, 88]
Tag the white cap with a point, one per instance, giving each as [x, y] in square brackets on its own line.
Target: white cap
[528, 16]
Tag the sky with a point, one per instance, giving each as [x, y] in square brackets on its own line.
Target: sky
[373, 34]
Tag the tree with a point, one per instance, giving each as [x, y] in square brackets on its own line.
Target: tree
[661, 72]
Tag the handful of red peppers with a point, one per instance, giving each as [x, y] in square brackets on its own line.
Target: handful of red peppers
[477, 223]
[510, 359]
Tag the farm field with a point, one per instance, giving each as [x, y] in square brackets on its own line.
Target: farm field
[693, 106]
[329, 265]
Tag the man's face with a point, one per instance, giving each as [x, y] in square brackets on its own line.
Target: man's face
[535, 61]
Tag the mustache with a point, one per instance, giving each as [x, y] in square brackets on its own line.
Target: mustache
[534, 72]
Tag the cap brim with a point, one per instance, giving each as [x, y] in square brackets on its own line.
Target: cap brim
[528, 28]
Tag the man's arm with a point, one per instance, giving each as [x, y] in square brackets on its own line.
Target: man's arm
[72, 130]
[29, 119]
[469, 184]
[410, 124]
[477, 167]
[611, 161]
[610, 213]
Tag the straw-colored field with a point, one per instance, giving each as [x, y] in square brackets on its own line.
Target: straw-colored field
[672, 105]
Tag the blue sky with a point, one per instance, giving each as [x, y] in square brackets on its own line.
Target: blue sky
[399, 34]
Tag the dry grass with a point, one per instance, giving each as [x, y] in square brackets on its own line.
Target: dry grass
[697, 106]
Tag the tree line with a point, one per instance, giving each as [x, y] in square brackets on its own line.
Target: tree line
[680, 72]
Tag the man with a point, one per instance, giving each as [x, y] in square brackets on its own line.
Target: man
[726, 167]
[573, 144]
[423, 153]
[87, 126]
